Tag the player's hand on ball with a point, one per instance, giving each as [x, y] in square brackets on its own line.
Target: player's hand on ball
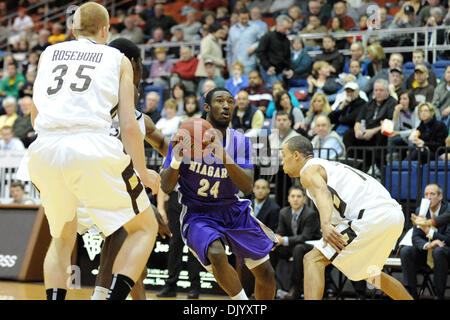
[332, 237]
[181, 145]
[152, 180]
[212, 142]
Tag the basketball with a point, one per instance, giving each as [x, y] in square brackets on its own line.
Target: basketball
[196, 127]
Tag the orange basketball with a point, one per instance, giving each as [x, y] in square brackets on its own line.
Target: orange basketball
[195, 128]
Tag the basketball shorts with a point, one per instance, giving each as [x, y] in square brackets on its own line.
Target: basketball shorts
[370, 240]
[85, 169]
[248, 238]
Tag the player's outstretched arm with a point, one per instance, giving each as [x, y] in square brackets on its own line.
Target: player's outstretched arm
[155, 137]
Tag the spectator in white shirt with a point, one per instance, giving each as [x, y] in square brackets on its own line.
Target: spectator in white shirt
[8, 141]
[169, 124]
[21, 26]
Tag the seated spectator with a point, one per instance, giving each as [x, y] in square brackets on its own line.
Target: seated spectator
[319, 9]
[401, 15]
[159, 20]
[342, 95]
[331, 55]
[357, 53]
[344, 115]
[178, 93]
[207, 85]
[258, 93]
[429, 247]
[432, 134]
[10, 107]
[318, 106]
[406, 119]
[300, 60]
[132, 32]
[355, 70]
[169, 123]
[426, 12]
[326, 139]
[8, 141]
[321, 79]
[246, 116]
[237, 80]
[441, 98]
[436, 19]
[184, 69]
[208, 19]
[20, 51]
[160, 69]
[211, 74]
[17, 192]
[336, 27]
[211, 49]
[12, 83]
[395, 61]
[158, 37]
[42, 43]
[377, 58]
[191, 108]
[22, 26]
[418, 57]
[284, 131]
[151, 106]
[191, 26]
[264, 209]
[297, 224]
[295, 13]
[396, 83]
[313, 26]
[283, 102]
[340, 10]
[278, 87]
[32, 62]
[57, 34]
[424, 91]
[27, 88]
[22, 126]
[280, 6]
[255, 17]
[222, 15]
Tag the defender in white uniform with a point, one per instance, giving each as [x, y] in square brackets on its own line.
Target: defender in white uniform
[360, 221]
[75, 162]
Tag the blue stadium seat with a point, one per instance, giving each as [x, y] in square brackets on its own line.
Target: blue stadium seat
[440, 175]
[160, 90]
[408, 68]
[400, 171]
[297, 83]
[439, 68]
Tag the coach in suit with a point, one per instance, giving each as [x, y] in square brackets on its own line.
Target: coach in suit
[430, 247]
[297, 224]
[265, 209]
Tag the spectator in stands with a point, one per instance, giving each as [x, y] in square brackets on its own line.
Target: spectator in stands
[424, 90]
[27, 88]
[321, 79]
[246, 116]
[377, 58]
[11, 84]
[10, 107]
[446, 155]
[184, 69]
[8, 141]
[345, 115]
[32, 62]
[255, 16]
[191, 108]
[258, 93]
[160, 69]
[278, 87]
[335, 28]
[149, 11]
[191, 26]
[17, 192]
[207, 85]
[436, 20]
[406, 119]
[357, 53]
[237, 80]
[396, 83]
[331, 55]
[441, 98]
[265, 209]
[42, 43]
[208, 19]
[297, 224]
[315, 8]
[132, 32]
[242, 42]
[341, 94]
[300, 60]
[318, 106]
[151, 106]
[430, 246]
[425, 12]
[22, 126]
[283, 102]
[274, 52]
[432, 134]
[168, 124]
[222, 15]
[395, 61]
[418, 57]
[263, 6]
[313, 26]
[210, 48]
[298, 23]
[280, 7]
[340, 10]
[57, 34]
[178, 93]
[367, 128]
[211, 74]
[22, 26]
[159, 20]
[382, 15]
[355, 70]
[283, 123]
[327, 139]
[177, 36]
[20, 50]
[415, 4]
[158, 37]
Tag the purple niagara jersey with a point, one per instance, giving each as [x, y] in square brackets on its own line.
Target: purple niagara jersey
[211, 208]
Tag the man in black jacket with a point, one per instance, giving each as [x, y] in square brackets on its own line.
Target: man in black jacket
[274, 52]
[297, 224]
[430, 246]
[331, 55]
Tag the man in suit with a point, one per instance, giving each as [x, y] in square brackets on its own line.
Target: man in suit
[297, 224]
[430, 246]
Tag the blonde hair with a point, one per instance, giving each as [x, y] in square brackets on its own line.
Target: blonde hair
[238, 64]
[89, 19]
[319, 65]
[377, 51]
[429, 106]
[171, 103]
[326, 106]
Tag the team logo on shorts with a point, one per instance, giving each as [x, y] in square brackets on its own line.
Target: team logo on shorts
[93, 244]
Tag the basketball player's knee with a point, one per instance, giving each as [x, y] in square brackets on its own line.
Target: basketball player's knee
[144, 222]
[266, 272]
[310, 259]
[216, 253]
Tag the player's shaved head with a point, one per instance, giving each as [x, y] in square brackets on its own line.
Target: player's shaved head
[89, 19]
[301, 145]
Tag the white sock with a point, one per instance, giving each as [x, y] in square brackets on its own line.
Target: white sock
[100, 293]
[240, 296]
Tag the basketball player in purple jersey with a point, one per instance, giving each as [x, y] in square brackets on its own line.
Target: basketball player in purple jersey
[213, 216]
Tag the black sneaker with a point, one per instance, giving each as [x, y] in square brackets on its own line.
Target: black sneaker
[193, 294]
[167, 292]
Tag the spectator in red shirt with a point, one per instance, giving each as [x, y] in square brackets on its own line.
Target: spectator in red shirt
[184, 69]
[341, 12]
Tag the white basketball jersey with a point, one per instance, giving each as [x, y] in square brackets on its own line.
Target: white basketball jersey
[76, 86]
[352, 190]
